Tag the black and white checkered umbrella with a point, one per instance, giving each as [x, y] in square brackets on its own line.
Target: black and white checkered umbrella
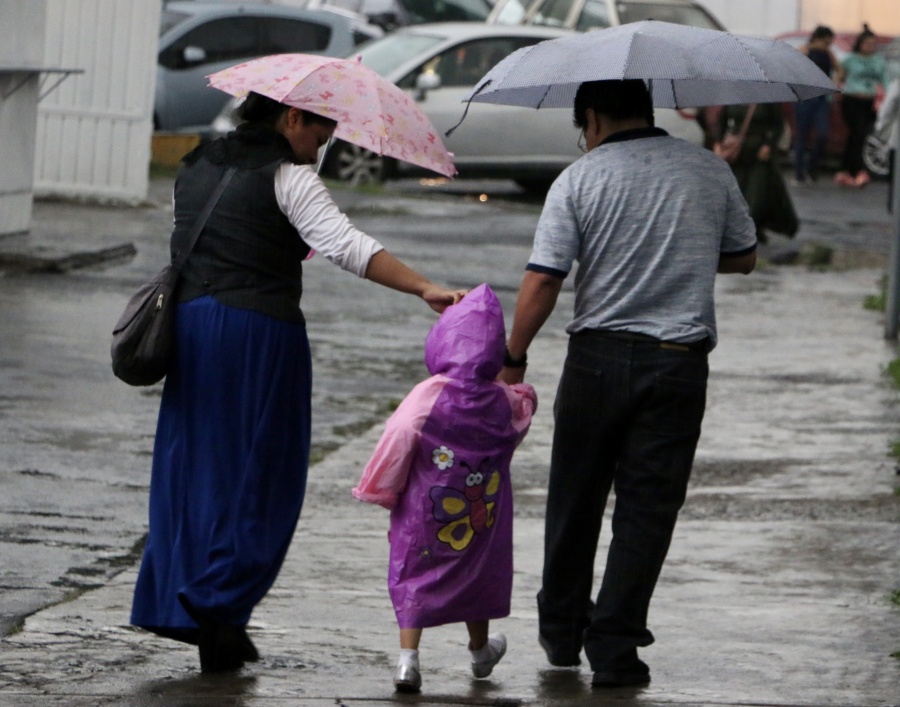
[684, 67]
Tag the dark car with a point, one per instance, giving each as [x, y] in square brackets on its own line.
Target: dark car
[199, 38]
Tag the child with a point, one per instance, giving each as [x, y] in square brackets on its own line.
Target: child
[442, 468]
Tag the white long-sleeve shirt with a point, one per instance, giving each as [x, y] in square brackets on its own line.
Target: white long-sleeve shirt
[888, 113]
[305, 200]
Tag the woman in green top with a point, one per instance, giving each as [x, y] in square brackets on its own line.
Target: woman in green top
[864, 75]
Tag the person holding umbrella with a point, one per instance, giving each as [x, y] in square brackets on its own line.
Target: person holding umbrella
[233, 436]
[650, 219]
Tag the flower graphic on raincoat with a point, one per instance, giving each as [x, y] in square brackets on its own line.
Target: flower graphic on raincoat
[443, 457]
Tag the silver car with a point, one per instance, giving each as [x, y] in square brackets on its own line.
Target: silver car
[200, 38]
[583, 15]
[439, 64]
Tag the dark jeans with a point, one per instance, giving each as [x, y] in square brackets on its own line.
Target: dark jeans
[628, 414]
[859, 115]
[812, 118]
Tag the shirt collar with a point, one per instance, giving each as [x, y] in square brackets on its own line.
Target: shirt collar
[635, 134]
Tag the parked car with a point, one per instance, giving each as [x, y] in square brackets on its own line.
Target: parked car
[439, 64]
[391, 14]
[199, 38]
[583, 15]
[875, 153]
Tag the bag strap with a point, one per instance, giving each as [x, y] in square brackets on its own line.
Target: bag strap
[746, 124]
[181, 256]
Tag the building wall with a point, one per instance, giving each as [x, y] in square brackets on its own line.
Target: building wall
[94, 129]
[772, 17]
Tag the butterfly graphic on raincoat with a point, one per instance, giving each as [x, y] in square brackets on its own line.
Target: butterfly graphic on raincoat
[442, 468]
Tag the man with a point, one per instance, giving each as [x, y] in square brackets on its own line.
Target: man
[650, 220]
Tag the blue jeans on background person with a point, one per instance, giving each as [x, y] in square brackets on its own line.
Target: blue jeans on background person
[628, 415]
[812, 116]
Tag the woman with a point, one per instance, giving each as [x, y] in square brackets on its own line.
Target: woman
[757, 175]
[864, 76]
[812, 115]
[232, 442]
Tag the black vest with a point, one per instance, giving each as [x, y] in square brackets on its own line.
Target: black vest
[248, 255]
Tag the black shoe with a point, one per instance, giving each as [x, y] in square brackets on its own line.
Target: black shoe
[221, 648]
[559, 658]
[248, 650]
[624, 671]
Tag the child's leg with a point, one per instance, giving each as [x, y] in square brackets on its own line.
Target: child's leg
[486, 651]
[409, 638]
[478, 634]
[407, 677]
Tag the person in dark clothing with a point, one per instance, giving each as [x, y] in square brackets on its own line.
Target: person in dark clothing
[812, 116]
[233, 436]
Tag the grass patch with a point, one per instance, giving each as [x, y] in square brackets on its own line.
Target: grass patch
[876, 302]
[895, 597]
[161, 171]
[893, 372]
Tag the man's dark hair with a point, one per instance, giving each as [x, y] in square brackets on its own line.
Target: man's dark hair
[618, 100]
[263, 110]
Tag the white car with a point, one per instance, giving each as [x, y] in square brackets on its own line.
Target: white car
[583, 15]
[439, 64]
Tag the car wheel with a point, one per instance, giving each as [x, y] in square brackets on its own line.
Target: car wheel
[877, 156]
[353, 164]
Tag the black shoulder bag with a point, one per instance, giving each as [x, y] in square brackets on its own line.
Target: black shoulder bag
[144, 337]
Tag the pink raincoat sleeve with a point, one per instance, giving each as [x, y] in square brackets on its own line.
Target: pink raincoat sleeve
[385, 476]
[523, 402]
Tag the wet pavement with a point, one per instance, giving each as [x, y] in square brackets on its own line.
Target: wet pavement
[777, 590]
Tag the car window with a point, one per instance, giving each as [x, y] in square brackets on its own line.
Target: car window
[222, 39]
[664, 12]
[385, 55]
[465, 64]
[509, 12]
[280, 35]
[422, 11]
[594, 15]
[553, 13]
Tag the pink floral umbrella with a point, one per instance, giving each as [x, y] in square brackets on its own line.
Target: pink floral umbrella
[370, 110]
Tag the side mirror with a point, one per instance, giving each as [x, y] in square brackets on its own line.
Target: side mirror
[425, 82]
[193, 55]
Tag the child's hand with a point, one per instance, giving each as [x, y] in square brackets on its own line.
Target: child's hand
[439, 298]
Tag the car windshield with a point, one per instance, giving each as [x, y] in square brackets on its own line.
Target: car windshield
[422, 11]
[388, 53]
[665, 12]
[169, 19]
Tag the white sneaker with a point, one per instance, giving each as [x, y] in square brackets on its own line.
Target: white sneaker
[484, 659]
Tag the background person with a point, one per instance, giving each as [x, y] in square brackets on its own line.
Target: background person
[864, 77]
[233, 436]
[757, 174]
[442, 468]
[650, 220]
[812, 116]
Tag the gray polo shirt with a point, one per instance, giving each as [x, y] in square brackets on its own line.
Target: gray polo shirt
[646, 216]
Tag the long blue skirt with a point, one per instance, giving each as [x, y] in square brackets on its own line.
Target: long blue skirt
[229, 467]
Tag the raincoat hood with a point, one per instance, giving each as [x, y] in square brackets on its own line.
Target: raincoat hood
[469, 339]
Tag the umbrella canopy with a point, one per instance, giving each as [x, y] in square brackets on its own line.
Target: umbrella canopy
[370, 110]
[684, 66]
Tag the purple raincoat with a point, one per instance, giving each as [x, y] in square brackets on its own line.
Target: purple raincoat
[442, 467]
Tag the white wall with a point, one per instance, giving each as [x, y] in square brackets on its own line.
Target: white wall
[94, 130]
[772, 17]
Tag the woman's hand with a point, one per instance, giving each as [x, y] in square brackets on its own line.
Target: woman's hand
[764, 154]
[439, 298]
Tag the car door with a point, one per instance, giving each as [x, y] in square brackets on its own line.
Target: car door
[492, 137]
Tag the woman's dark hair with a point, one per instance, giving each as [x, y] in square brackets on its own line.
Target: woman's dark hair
[263, 110]
[619, 100]
[862, 37]
[821, 32]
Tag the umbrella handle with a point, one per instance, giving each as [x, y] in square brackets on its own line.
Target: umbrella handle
[324, 154]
